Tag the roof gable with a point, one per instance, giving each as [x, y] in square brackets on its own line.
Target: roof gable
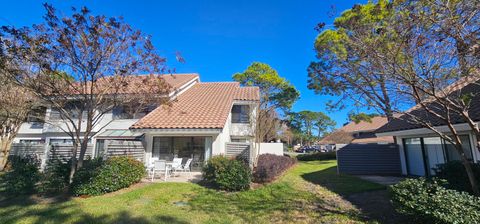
[204, 105]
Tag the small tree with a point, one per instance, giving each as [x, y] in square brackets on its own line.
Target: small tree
[82, 66]
[16, 102]
[276, 95]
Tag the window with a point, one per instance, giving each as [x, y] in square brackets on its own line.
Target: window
[73, 109]
[31, 141]
[36, 117]
[241, 114]
[132, 111]
[237, 139]
[452, 154]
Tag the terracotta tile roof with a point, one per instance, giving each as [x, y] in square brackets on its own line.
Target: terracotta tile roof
[387, 139]
[204, 105]
[344, 135]
[377, 122]
[337, 137]
[137, 84]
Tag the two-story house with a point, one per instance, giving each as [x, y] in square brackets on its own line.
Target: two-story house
[204, 119]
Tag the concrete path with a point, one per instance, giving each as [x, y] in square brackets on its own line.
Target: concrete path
[384, 180]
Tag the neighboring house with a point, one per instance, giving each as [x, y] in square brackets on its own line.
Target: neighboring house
[421, 150]
[204, 119]
[359, 151]
[357, 133]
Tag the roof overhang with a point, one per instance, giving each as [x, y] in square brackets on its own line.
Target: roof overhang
[423, 131]
[119, 134]
[179, 131]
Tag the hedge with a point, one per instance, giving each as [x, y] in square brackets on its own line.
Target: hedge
[428, 201]
[456, 176]
[317, 156]
[227, 174]
[270, 166]
[98, 177]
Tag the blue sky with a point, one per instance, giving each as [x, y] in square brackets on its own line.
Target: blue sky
[218, 38]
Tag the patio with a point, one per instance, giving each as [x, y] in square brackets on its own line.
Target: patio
[195, 177]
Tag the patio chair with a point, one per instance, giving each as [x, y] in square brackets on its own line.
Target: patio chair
[177, 164]
[186, 167]
[150, 165]
[160, 166]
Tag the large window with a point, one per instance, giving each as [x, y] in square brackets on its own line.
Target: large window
[73, 109]
[423, 155]
[131, 111]
[241, 114]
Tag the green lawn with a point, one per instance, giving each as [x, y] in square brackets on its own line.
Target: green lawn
[301, 195]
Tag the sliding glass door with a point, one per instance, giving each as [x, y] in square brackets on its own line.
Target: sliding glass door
[196, 148]
[414, 155]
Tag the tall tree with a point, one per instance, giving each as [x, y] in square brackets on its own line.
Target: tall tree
[426, 51]
[305, 122]
[82, 66]
[16, 102]
[346, 69]
[276, 95]
[441, 43]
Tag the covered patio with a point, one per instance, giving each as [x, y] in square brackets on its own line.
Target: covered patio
[197, 148]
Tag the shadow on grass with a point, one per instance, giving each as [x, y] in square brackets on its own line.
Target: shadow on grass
[371, 198]
[339, 183]
[275, 202]
[23, 210]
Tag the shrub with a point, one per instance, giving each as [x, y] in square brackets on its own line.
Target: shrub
[97, 177]
[55, 177]
[454, 172]
[317, 156]
[428, 201]
[227, 174]
[270, 166]
[22, 175]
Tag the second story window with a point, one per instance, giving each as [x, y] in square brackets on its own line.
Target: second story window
[131, 112]
[36, 117]
[241, 114]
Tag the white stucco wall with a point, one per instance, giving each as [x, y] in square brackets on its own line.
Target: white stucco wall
[271, 148]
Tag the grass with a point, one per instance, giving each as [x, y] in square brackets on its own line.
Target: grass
[301, 195]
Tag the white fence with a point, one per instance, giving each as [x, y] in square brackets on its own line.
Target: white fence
[271, 148]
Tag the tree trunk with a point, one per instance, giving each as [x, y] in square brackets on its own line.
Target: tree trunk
[83, 150]
[73, 166]
[468, 169]
[5, 144]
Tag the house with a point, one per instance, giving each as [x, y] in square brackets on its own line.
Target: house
[360, 151]
[422, 150]
[204, 119]
[362, 132]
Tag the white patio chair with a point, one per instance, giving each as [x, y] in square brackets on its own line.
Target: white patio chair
[160, 166]
[150, 165]
[176, 164]
[186, 167]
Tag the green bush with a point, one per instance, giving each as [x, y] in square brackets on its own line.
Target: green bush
[227, 174]
[454, 172]
[55, 177]
[97, 177]
[22, 175]
[317, 156]
[428, 201]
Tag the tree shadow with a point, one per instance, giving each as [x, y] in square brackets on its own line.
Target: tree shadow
[341, 184]
[281, 199]
[70, 213]
[372, 199]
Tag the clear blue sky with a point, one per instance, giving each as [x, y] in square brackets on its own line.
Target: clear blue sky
[218, 38]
